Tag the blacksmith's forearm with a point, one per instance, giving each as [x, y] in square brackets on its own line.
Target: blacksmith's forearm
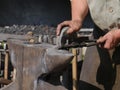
[79, 9]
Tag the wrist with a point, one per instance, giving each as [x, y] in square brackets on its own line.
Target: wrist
[77, 20]
[118, 35]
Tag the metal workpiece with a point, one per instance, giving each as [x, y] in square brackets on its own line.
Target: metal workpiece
[66, 39]
[33, 61]
[75, 40]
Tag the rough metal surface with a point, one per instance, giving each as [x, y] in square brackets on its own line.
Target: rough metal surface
[33, 61]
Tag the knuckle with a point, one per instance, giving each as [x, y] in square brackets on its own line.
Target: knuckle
[65, 22]
[59, 25]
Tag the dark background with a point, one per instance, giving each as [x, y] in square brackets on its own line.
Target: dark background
[36, 12]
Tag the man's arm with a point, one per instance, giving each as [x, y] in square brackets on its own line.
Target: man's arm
[110, 40]
[79, 11]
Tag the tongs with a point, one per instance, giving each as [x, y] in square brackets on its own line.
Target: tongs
[86, 43]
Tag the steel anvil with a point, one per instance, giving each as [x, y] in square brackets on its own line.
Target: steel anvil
[32, 61]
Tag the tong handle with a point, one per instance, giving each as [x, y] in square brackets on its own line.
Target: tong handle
[86, 43]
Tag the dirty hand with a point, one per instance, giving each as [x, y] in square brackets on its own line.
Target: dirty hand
[109, 40]
[74, 25]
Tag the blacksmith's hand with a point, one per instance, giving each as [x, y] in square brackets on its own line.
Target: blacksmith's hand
[110, 40]
[74, 25]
